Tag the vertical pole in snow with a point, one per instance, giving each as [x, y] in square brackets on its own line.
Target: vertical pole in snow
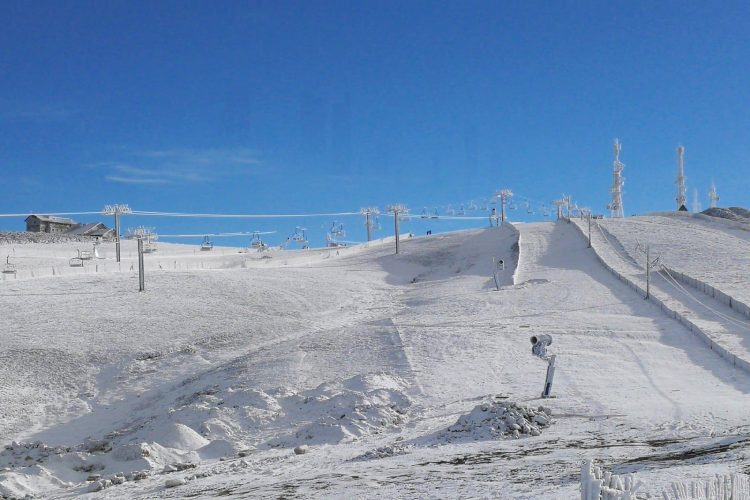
[589, 217]
[368, 223]
[648, 271]
[550, 376]
[395, 227]
[397, 210]
[141, 277]
[117, 235]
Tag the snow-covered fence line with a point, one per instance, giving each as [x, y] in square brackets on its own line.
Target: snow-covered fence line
[729, 487]
[94, 267]
[599, 485]
[700, 333]
[711, 291]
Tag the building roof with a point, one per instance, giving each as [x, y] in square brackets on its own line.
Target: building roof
[88, 229]
[52, 218]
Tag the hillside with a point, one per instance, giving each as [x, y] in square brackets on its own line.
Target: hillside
[359, 373]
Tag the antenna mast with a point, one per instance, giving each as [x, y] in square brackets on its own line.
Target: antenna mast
[712, 196]
[617, 182]
[680, 179]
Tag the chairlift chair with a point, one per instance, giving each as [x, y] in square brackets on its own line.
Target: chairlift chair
[207, 244]
[425, 214]
[84, 255]
[149, 246]
[257, 243]
[9, 268]
[76, 262]
[434, 214]
[461, 211]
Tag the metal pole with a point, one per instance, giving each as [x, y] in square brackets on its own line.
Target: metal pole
[502, 207]
[368, 223]
[589, 217]
[395, 226]
[117, 234]
[648, 271]
[141, 277]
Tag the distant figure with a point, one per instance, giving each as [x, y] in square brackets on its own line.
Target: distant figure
[429, 232]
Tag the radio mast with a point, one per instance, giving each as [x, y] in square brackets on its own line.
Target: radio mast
[615, 207]
[680, 179]
[712, 196]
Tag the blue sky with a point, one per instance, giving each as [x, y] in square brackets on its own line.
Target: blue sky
[287, 107]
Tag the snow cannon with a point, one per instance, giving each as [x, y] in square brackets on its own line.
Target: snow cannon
[539, 344]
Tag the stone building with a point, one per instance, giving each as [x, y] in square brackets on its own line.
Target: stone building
[48, 224]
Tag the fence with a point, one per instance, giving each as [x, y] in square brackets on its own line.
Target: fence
[720, 350]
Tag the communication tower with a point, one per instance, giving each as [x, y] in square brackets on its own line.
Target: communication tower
[615, 206]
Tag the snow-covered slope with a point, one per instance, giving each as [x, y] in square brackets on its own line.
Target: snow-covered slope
[355, 373]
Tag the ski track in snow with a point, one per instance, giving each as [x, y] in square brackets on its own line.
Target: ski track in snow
[368, 358]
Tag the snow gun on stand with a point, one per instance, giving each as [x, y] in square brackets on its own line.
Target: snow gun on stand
[539, 349]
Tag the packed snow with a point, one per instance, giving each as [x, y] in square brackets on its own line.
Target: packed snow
[354, 372]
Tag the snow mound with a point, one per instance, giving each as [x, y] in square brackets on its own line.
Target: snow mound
[497, 419]
[343, 411]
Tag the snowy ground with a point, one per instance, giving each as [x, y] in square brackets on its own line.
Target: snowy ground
[402, 376]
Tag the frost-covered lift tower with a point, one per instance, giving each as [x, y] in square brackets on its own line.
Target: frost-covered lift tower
[712, 196]
[680, 199]
[615, 206]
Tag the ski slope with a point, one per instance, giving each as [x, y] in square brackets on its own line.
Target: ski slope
[380, 366]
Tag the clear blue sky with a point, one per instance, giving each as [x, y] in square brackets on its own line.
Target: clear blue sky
[328, 106]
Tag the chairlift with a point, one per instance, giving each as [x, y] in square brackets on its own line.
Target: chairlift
[298, 237]
[461, 211]
[545, 211]
[450, 211]
[76, 262]
[9, 268]
[512, 206]
[425, 214]
[434, 213]
[84, 255]
[207, 244]
[149, 246]
[335, 234]
[256, 242]
[472, 206]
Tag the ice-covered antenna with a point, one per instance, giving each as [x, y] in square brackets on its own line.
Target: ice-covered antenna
[696, 201]
[712, 196]
[680, 199]
[615, 206]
